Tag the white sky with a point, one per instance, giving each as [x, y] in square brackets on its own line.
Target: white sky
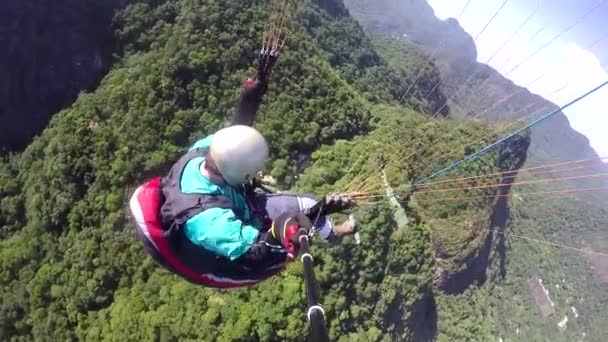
[568, 70]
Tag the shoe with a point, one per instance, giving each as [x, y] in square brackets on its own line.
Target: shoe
[335, 203]
[349, 227]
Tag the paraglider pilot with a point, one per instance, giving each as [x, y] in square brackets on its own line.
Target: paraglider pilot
[204, 220]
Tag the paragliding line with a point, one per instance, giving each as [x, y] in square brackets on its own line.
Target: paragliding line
[510, 136]
[539, 181]
[453, 96]
[554, 244]
[567, 191]
[407, 92]
[509, 173]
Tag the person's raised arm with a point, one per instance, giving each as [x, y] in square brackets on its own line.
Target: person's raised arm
[250, 100]
[254, 89]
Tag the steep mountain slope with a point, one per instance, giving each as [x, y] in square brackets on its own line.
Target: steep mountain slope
[50, 52]
[476, 89]
[528, 236]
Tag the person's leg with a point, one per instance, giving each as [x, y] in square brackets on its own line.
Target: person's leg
[284, 203]
[324, 225]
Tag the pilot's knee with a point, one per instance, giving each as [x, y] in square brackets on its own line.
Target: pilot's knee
[307, 201]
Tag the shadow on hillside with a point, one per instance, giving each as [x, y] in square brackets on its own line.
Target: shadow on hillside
[496, 235]
[510, 159]
[424, 319]
[418, 322]
[476, 269]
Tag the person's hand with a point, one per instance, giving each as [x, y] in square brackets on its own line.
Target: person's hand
[252, 90]
[288, 228]
[335, 203]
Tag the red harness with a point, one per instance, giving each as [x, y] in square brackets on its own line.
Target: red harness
[145, 205]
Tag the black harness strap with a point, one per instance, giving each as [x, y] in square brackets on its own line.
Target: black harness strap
[178, 207]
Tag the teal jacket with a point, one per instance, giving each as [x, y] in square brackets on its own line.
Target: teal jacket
[217, 229]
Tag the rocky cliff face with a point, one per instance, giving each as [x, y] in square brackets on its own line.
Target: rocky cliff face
[487, 95]
[416, 19]
[51, 50]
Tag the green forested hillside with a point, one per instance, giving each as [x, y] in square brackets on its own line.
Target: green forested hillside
[503, 307]
[71, 268]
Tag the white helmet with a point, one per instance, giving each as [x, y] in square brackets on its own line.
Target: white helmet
[239, 152]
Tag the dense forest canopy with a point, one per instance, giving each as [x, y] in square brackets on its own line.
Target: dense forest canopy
[335, 115]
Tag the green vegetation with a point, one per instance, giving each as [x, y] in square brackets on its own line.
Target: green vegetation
[424, 76]
[69, 264]
[505, 307]
[502, 306]
[71, 268]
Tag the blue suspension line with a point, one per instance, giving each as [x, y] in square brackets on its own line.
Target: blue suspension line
[504, 139]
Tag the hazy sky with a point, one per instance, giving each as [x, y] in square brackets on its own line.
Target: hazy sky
[568, 66]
